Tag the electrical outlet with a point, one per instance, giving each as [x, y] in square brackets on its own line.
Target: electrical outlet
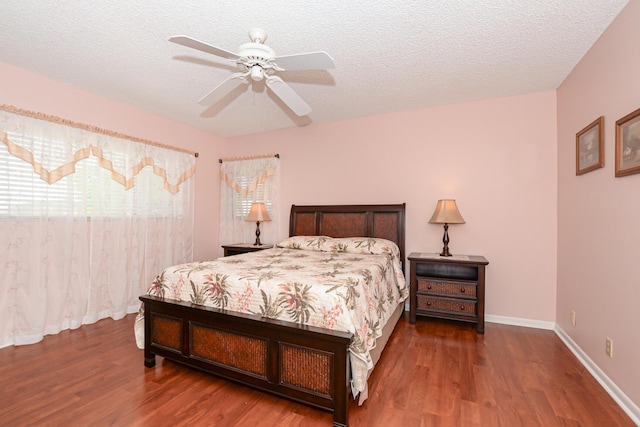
[573, 318]
[608, 347]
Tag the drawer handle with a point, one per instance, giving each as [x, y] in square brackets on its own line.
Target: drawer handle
[462, 308]
[462, 290]
[429, 287]
[428, 303]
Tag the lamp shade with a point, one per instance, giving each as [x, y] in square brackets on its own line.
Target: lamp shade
[446, 213]
[258, 212]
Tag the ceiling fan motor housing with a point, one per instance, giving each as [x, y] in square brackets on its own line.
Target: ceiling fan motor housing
[256, 50]
[257, 59]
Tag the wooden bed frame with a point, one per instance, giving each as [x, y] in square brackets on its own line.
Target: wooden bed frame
[303, 363]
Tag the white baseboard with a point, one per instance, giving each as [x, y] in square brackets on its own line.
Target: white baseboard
[516, 321]
[610, 387]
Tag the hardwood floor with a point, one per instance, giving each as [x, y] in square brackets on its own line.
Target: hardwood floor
[433, 373]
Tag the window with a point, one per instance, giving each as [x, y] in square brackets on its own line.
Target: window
[88, 191]
[88, 220]
[242, 183]
[242, 203]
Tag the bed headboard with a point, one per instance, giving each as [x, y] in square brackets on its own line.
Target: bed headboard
[382, 221]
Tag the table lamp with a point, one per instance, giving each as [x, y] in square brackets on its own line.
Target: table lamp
[446, 213]
[258, 213]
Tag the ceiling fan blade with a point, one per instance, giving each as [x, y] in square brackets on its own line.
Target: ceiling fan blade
[305, 61]
[288, 96]
[204, 47]
[223, 89]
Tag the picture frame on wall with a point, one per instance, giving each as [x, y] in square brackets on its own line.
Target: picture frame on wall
[590, 147]
[628, 144]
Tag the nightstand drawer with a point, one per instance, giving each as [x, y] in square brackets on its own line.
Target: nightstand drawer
[447, 287]
[447, 305]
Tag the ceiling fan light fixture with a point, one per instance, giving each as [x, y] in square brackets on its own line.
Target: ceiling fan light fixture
[257, 73]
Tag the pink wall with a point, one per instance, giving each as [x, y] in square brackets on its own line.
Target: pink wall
[497, 158]
[598, 214]
[32, 92]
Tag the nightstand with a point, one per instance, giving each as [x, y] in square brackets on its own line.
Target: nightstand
[447, 287]
[243, 248]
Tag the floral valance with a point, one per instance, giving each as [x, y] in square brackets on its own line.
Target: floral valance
[247, 174]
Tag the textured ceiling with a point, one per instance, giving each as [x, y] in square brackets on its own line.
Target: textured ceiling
[390, 55]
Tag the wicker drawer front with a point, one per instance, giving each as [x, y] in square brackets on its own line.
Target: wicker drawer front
[462, 307]
[447, 287]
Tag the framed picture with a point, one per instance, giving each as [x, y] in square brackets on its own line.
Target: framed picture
[590, 147]
[628, 144]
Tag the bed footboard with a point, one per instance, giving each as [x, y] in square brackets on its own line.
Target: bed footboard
[303, 363]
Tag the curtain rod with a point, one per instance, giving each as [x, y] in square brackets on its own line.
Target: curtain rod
[258, 156]
[59, 120]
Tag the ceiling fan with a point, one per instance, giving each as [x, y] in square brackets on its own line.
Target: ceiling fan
[258, 61]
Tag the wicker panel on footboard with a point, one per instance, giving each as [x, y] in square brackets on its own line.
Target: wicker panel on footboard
[303, 363]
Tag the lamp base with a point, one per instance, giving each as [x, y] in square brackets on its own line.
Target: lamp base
[445, 252]
[445, 240]
[257, 243]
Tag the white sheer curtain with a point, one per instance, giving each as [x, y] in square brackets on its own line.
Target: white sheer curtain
[243, 182]
[87, 221]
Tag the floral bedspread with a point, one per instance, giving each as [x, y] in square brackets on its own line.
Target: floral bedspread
[347, 284]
